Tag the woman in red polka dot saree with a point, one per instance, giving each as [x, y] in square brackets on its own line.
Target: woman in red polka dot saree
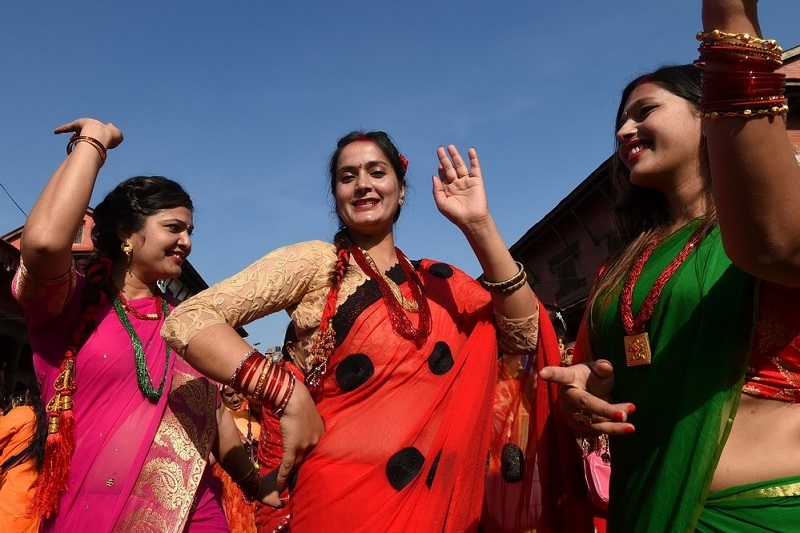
[399, 357]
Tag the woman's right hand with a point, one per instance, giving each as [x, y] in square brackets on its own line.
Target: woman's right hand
[583, 392]
[301, 429]
[107, 134]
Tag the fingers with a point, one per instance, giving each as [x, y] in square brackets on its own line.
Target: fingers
[474, 163]
[287, 464]
[587, 414]
[71, 127]
[561, 375]
[106, 134]
[601, 378]
[582, 407]
[462, 171]
[452, 166]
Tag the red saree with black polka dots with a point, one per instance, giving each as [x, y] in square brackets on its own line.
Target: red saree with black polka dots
[406, 429]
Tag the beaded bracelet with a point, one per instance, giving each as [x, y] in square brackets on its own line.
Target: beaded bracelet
[75, 139]
[511, 284]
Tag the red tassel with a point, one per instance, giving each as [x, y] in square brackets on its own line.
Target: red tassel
[55, 467]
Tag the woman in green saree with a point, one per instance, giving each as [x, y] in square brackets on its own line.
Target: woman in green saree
[694, 325]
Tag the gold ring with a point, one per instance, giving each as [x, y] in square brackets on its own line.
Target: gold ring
[582, 418]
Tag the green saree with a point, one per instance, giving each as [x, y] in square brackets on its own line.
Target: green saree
[764, 506]
[687, 397]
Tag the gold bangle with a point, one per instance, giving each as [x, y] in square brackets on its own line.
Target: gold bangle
[748, 113]
[262, 379]
[512, 288]
[503, 286]
[719, 35]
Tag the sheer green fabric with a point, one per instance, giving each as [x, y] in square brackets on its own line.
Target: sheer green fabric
[764, 506]
[686, 399]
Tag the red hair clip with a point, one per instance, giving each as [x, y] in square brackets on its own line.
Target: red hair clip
[404, 162]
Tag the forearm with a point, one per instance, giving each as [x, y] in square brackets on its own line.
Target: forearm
[232, 456]
[755, 175]
[55, 217]
[216, 351]
[498, 265]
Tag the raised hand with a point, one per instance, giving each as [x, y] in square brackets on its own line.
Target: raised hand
[458, 190]
[107, 134]
[583, 394]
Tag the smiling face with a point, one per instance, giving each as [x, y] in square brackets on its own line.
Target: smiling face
[162, 245]
[367, 189]
[660, 138]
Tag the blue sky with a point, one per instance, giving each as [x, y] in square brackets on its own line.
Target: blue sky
[242, 102]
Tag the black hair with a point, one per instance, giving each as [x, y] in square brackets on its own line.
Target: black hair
[128, 205]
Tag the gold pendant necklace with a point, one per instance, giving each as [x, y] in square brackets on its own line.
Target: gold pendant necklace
[409, 305]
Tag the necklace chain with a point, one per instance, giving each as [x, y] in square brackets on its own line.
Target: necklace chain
[143, 377]
[401, 324]
[634, 325]
[141, 316]
[409, 305]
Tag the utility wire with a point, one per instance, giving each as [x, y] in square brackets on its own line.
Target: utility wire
[12, 199]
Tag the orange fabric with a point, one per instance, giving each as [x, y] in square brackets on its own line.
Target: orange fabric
[552, 494]
[238, 513]
[16, 484]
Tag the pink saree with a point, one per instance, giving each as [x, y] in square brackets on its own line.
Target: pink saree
[136, 463]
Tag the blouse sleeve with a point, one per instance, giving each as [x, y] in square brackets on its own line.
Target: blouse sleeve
[515, 336]
[43, 299]
[518, 335]
[277, 281]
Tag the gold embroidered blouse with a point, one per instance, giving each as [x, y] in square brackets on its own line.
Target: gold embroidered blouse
[296, 278]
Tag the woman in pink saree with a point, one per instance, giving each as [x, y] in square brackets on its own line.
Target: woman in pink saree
[130, 424]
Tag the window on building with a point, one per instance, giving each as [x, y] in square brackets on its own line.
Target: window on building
[566, 272]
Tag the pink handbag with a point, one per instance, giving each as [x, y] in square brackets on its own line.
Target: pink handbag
[597, 469]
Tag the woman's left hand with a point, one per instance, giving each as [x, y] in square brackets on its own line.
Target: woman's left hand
[458, 190]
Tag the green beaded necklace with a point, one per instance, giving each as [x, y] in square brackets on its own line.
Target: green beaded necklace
[142, 374]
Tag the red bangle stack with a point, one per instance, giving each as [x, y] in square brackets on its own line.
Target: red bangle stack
[744, 84]
[273, 387]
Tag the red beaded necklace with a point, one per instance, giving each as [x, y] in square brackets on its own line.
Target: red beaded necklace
[637, 341]
[401, 324]
[142, 316]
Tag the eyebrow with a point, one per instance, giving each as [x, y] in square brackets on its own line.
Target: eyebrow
[189, 226]
[638, 103]
[369, 164]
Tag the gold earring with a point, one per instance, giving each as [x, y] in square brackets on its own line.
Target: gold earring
[401, 201]
[126, 247]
